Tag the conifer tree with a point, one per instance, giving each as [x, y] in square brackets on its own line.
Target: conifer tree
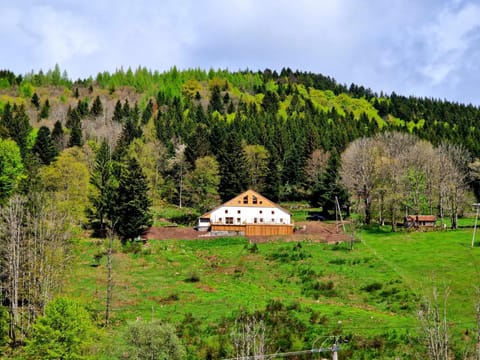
[20, 128]
[132, 203]
[36, 101]
[216, 103]
[118, 112]
[58, 135]
[44, 146]
[45, 111]
[104, 182]
[76, 137]
[148, 112]
[231, 158]
[97, 107]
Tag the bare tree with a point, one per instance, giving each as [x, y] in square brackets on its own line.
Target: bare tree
[249, 338]
[433, 321]
[454, 160]
[315, 165]
[358, 173]
[34, 253]
[12, 235]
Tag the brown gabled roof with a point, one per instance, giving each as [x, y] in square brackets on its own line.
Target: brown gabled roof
[238, 200]
[421, 218]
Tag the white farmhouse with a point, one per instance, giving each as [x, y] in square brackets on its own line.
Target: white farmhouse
[250, 214]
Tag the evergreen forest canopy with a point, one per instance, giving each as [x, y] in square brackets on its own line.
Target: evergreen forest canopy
[102, 152]
[202, 137]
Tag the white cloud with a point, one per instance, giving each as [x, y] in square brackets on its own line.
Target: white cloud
[449, 39]
[424, 47]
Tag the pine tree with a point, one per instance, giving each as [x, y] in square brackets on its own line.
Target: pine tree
[216, 103]
[97, 107]
[132, 203]
[328, 187]
[231, 158]
[104, 181]
[148, 112]
[20, 129]
[58, 135]
[44, 146]
[118, 112]
[45, 111]
[76, 137]
[36, 101]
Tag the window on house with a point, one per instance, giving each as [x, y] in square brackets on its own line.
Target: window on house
[255, 220]
[238, 211]
[273, 220]
[261, 220]
[254, 199]
[245, 199]
[226, 211]
[239, 220]
[281, 220]
[261, 211]
[229, 220]
[261, 202]
[219, 220]
[273, 212]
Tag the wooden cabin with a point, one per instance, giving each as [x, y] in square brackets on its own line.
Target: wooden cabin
[420, 221]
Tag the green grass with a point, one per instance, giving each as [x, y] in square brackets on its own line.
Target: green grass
[374, 289]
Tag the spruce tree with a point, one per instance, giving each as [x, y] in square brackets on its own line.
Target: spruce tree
[45, 111]
[20, 129]
[97, 107]
[76, 137]
[132, 211]
[104, 182]
[36, 101]
[58, 135]
[44, 146]
[328, 187]
[231, 158]
[118, 112]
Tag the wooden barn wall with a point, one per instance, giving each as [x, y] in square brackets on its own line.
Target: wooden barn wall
[256, 229]
[266, 230]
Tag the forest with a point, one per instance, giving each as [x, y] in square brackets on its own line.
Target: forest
[102, 155]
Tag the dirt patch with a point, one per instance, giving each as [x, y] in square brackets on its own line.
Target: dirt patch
[317, 231]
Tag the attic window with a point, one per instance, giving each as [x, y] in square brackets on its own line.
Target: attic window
[245, 199]
[273, 212]
[254, 199]
[261, 202]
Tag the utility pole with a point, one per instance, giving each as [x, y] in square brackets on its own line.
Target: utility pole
[335, 349]
[476, 221]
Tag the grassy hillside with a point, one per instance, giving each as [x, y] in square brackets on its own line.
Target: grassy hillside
[372, 292]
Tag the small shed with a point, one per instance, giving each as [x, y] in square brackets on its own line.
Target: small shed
[420, 221]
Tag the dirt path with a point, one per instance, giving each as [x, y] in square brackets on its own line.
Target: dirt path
[308, 230]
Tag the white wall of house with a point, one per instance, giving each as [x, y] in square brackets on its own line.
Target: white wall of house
[249, 215]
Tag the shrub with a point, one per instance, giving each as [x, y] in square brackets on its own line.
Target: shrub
[193, 277]
[372, 287]
[64, 332]
[153, 340]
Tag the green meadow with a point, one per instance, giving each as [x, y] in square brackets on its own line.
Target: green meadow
[369, 292]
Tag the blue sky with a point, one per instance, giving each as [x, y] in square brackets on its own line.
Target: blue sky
[413, 47]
